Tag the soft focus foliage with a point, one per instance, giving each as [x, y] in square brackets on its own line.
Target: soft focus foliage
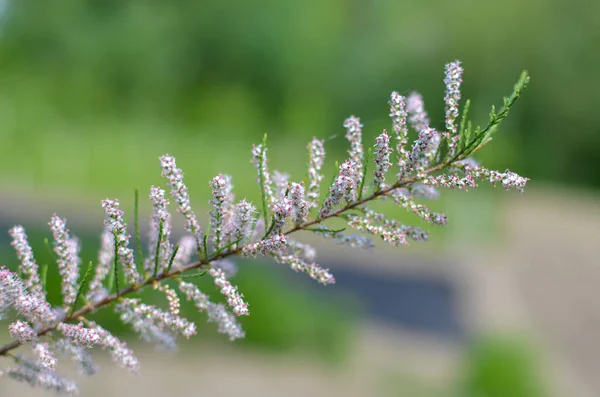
[502, 366]
[78, 76]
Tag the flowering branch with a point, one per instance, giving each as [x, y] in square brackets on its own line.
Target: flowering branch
[435, 159]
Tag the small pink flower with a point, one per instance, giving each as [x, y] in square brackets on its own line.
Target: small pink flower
[116, 225]
[28, 266]
[179, 192]
[221, 207]
[356, 152]
[316, 154]
[67, 250]
[382, 159]
[234, 299]
[21, 331]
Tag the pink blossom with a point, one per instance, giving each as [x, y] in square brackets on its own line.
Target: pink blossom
[316, 159]
[45, 357]
[160, 218]
[382, 159]
[299, 204]
[179, 192]
[272, 244]
[67, 250]
[313, 270]
[453, 81]
[28, 267]
[234, 299]
[221, 207]
[259, 159]
[106, 255]
[356, 152]
[344, 187]
[21, 331]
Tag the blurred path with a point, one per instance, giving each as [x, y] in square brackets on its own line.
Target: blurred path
[552, 250]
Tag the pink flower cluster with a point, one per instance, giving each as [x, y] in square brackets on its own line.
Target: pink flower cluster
[67, 252]
[221, 203]
[453, 81]
[356, 152]
[227, 324]
[343, 188]
[117, 226]
[316, 159]
[142, 317]
[179, 191]
[28, 267]
[160, 228]
[234, 299]
[105, 259]
[313, 270]
[382, 159]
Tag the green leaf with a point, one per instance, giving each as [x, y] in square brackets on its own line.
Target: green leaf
[261, 176]
[366, 157]
[464, 139]
[468, 132]
[325, 230]
[110, 281]
[43, 276]
[116, 265]
[270, 229]
[49, 248]
[172, 259]
[138, 239]
[194, 275]
[335, 175]
[493, 115]
[205, 245]
[157, 251]
[482, 135]
[227, 246]
[81, 288]
[442, 151]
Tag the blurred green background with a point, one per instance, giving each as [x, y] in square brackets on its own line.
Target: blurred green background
[92, 92]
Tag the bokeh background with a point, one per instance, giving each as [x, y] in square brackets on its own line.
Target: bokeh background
[500, 303]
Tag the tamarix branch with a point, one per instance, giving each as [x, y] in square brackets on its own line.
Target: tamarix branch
[436, 158]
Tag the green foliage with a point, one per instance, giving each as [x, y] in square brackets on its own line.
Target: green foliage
[464, 133]
[261, 177]
[502, 366]
[467, 144]
[172, 259]
[43, 275]
[138, 239]
[157, 251]
[85, 80]
[495, 366]
[193, 275]
[116, 275]
[83, 284]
